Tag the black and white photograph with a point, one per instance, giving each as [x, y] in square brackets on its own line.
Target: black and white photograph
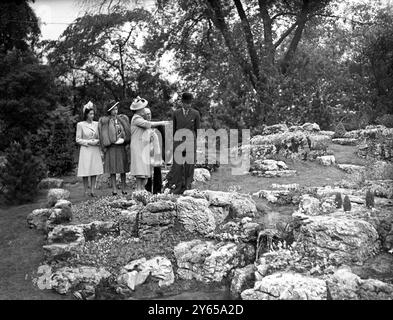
[192, 156]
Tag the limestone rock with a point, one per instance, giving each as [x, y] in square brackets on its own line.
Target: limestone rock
[287, 286]
[277, 128]
[269, 165]
[201, 175]
[160, 206]
[66, 279]
[37, 219]
[243, 278]
[54, 195]
[351, 168]
[195, 215]
[208, 262]
[123, 203]
[66, 234]
[219, 213]
[51, 183]
[137, 272]
[154, 224]
[240, 205]
[309, 205]
[313, 127]
[327, 160]
[336, 240]
[344, 285]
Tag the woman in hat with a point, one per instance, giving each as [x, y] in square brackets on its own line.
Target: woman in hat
[115, 134]
[141, 166]
[90, 162]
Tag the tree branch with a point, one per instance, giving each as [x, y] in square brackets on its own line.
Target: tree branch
[249, 37]
[284, 35]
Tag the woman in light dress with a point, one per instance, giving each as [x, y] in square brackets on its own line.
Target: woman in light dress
[141, 138]
[90, 162]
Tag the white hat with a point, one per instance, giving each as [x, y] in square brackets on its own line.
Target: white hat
[138, 104]
[111, 108]
[88, 105]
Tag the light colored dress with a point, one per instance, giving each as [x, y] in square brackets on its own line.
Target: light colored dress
[90, 161]
[140, 147]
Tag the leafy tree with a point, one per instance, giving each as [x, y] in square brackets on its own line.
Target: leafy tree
[27, 94]
[18, 26]
[21, 175]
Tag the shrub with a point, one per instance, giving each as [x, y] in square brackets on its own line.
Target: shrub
[61, 147]
[21, 174]
[338, 200]
[347, 204]
[385, 120]
[370, 201]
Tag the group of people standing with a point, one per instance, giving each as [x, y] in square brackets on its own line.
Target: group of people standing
[114, 133]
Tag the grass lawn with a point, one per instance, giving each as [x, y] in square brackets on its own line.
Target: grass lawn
[21, 248]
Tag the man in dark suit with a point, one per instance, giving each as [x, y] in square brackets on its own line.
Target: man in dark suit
[182, 172]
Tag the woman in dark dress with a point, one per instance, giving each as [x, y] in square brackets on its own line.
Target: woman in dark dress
[115, 135]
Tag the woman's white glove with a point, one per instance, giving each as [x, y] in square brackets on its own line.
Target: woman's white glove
[120, 141]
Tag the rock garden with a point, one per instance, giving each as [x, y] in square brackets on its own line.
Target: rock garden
[336, 243]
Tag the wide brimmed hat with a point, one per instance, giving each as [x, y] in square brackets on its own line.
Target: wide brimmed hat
[88, 106]
[187, 97]
[138, 104]
[113, 106]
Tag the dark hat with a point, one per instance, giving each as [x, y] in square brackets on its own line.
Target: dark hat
[187, 97]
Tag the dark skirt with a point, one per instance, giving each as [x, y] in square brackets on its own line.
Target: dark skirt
[116, 160]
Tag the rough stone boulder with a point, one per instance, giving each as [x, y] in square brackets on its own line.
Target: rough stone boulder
[244, 230]
[90, 231]
[54, 195]
[243, 278]
[345, 285]
[270, 169]
[270, 165]
[46, 219]
[66, 279]
[276, 128]
[327, 160]
[309, 205]
[275, 173]
[201, 175]
[312, 206]
[280, 196]
[312, 127]
[51, 183]
[351, 168]
[37, 219]
[66, 234]
[194, 214]
[240, 205]
[128, 222]
[156, 218]
[335, 240]
[137, 272]
[62, 212]
[207, 261]
[287, 286]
